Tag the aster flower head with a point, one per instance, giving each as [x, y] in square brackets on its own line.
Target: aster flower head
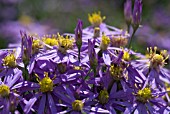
[77, 105]
[10, 60]
[105, 41]
[145, 100]
[64, 43]
[116, 72]
[157, 60]
[46, 84]
[144, 95]
[137, 12]
[7, 93]
[128, 11]
[95, 19]
[4, 90]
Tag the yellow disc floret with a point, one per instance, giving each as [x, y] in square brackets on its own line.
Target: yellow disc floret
[116, 72]
[95, 19]
[64, 43]
[9, 60]
[50, 40]
[104, 42]
[36, 45]
[4, 90]
[46, 84]
[103, 96]
[144, 95]
[77, 105]
[126, 56]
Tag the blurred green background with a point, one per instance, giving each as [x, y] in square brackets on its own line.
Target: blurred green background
[52, 16]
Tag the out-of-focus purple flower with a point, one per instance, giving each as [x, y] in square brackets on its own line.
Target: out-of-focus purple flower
[137, 12]
[128, 11]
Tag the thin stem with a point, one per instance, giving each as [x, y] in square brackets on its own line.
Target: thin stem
[134, 31]
[128, 28]
[79, 54]
[110, 85]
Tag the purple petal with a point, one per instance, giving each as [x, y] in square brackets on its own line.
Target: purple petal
[26, 86]
[42, 104]
[30, 103]
[52, 104]
[10, 81]
[106, 58]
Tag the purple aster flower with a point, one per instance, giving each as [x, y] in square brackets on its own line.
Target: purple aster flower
[153, 68]
[44, 93]
[78, 106]
[9, 98]
[9, 62]
[111, 101]
[145, 100]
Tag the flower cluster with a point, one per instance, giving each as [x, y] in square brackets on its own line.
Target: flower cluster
[90, 71]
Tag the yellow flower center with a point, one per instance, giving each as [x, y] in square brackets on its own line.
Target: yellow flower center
[144, 95]
[52, 41]
[126, 56]
[77, 68]
[46, 84]
[95, 19]
[157, 59]
[77, 105]
[103, 96]
[4, 90]
[9, 60]
[36, 45]
[116, 72]
[105, 42]
[64, 43]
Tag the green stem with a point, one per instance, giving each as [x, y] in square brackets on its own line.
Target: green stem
[88, 73]
[134, 31]
[25, 73]
[110, 85]
[128, 28]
